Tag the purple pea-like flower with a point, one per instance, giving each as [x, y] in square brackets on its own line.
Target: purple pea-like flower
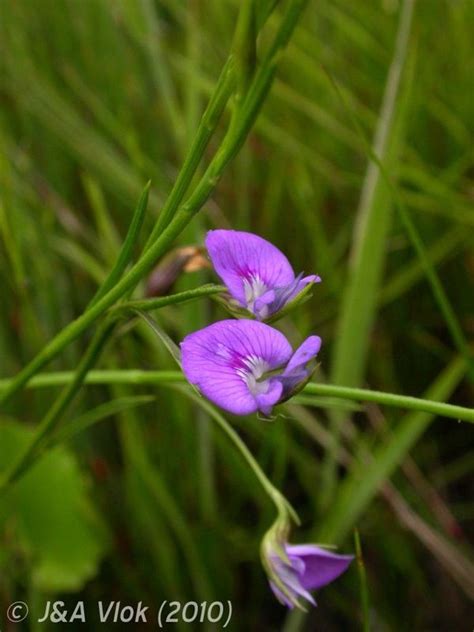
[245, 366]
[309, 568]
[258, 275]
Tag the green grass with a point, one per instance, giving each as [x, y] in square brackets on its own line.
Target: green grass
[100, 97]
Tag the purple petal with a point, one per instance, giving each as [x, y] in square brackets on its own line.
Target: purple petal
[275, 300]
[226, 360]
[266, 401]
[282, 598]
[262, 306]
[293, 383]
[302, 283]
[311, 278]
[286, 294]
[320, 566]
[247, 264]
[306, 352]
[297, 373]
[291, 576]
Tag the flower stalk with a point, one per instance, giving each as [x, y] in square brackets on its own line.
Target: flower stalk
[153, 378]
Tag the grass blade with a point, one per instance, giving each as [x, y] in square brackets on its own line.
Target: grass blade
[99, 413]
[126, 252]
[361, 485]
[370, 245]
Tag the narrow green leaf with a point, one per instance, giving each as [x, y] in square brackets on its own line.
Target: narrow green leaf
[126, 252]
[99, 413]
[363, 482]
[352, 338]
[359, 307]
[162, 335]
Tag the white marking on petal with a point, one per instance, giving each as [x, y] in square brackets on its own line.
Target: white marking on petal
[256, 367]
[254, 288]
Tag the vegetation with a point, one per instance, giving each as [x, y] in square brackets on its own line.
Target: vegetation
[339, 131]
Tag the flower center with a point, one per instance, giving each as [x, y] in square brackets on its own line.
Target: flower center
[254, 288]
[253, 369]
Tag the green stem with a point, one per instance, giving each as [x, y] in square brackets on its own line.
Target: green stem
[134, 443]
[364, 591]
[366, 476]
[230, 146]
[126, 251]
[282, 505]
[52, 418]
[141, 377]
[205, 131]
[245, 48]
[150, 304]
[203, 135]
[393, 400]
[49, 423]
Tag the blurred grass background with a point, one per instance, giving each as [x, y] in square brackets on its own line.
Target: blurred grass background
[97, 97]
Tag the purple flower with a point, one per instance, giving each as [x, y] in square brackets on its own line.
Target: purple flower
[258, 275]
[245, 366]
[309, 568]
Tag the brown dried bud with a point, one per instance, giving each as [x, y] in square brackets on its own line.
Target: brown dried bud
[179, 260]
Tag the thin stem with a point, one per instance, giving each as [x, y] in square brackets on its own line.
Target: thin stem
[203, 135]
[53, 417]
[230, 146]
[126, 251]
[393, 400]
[245, 48]
[364, 591]
[207, 126]
[151, 304]
[282, 505]
[141, 377]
